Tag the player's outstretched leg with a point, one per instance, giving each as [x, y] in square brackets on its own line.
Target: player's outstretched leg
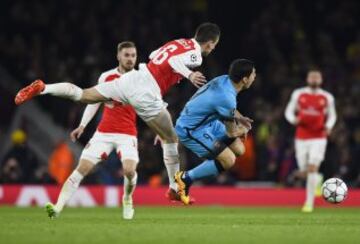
[69, 188]
[38, 87]
[64, 89]
[130, 180]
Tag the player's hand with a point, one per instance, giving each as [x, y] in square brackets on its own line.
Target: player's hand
[233, 129]
[197, 78]
[75, 134]
[157, 140]
[297, 121]
[240, 132]
[328, 132]
[245, 121]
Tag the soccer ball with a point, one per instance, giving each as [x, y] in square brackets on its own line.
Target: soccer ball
[334, 190]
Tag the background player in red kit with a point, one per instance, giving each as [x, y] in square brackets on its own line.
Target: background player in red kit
[143, 89]
[116, 131]
[312, 110]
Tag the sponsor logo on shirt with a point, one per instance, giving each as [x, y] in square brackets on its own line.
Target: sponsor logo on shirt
[311, 111]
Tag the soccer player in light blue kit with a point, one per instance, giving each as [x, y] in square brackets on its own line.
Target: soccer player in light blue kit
[212, 127]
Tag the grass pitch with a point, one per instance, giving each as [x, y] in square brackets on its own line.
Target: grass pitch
[181, 225]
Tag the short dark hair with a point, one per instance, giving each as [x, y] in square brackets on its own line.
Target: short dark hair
[125, 44]
[314, 69]
[207, 32]
[240, 68]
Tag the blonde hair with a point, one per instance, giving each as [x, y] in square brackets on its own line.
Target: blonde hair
[125, 44]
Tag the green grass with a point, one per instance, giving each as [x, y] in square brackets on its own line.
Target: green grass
[181, 225]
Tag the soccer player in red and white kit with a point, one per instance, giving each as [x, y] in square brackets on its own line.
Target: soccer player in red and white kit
[312, 110]
[116, 131]
[143, 89]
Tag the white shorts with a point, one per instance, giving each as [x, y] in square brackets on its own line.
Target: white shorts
[137, 88]
[310, 151]
[102, 144]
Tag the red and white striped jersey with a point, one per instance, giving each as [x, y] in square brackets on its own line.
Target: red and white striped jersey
[314, 110]
[116, 118]
[173, 61]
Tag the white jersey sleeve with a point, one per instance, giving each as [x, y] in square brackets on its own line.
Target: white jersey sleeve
[290, 111]
[182, 63]
[89, 114]
[331, 113]
[91, 109]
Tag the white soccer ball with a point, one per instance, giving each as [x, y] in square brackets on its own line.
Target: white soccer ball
[334, 190]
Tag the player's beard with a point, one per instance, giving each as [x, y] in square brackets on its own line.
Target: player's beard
[314, 85]
[128, 66]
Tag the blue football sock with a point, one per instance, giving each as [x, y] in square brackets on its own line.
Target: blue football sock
[206, 169]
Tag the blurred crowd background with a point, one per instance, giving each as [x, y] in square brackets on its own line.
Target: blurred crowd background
[76, 41]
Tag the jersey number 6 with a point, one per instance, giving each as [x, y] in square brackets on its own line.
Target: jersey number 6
[162, 55]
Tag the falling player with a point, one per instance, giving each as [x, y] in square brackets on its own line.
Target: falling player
[143, 89]
[116, 131]
[208, 125]
[312, 110]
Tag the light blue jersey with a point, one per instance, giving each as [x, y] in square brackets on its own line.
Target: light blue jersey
[199, 126]
[214, 101]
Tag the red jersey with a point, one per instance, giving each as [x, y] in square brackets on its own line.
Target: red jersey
[171, 62]
[116, 118]
[314, 110]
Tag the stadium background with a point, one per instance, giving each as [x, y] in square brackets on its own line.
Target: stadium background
[76, 41]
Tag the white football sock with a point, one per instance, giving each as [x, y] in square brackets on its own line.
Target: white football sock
[172, 162]
[311, 182]
[70, 186]
[129, 187]
[64, 89]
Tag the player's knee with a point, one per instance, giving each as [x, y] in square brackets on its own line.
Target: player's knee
[128, 173]
[163, 126]
[129, 168]
[84, 167]
[227, 159]
[312, 168]
[230, 161]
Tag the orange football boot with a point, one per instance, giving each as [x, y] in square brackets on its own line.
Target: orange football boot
[173, 196]
[183, 188]
[29, 92]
